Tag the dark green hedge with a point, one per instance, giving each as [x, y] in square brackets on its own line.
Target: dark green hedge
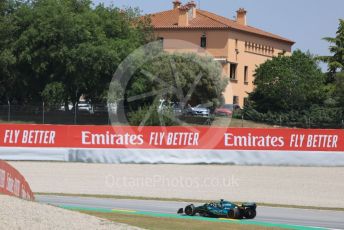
[315, 117]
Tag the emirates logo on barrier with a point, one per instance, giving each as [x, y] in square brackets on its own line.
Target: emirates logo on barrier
[196, 137]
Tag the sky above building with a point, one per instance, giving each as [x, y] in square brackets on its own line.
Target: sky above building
[304, 21]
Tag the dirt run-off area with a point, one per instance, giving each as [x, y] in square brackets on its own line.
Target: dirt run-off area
[21, 214]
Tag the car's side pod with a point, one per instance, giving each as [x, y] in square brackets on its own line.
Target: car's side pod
[180, 211]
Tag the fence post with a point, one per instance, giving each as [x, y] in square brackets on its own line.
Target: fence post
[75, 111]
[9, 111]
[242, 121]
[43, 114]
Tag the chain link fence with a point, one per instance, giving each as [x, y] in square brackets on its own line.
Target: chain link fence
[97, 114]
[82, 114]
[41, 114]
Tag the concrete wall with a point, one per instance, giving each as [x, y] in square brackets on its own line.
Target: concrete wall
[170, 156]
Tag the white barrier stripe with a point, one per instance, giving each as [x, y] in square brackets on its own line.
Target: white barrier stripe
[167, 156]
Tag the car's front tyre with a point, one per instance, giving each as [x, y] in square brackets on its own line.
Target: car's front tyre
[190, 210]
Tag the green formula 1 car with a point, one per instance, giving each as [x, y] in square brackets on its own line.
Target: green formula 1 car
[222, 208]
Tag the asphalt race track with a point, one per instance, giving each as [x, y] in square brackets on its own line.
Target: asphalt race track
[289, 216]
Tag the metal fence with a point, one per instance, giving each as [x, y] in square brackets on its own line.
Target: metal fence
[97, 114]
[41, 114]
[83, 114]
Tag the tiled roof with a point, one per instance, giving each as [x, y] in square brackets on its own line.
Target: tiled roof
[206, 20]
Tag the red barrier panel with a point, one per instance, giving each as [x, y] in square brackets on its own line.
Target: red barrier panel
[171, 138]
[13, 183]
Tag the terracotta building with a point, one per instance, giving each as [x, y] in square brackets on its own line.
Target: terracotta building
[238, 46]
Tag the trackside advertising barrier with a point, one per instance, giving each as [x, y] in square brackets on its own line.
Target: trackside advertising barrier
[117, 144]
[13, 183]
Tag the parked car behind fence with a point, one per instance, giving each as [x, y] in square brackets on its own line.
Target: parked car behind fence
[227, 110]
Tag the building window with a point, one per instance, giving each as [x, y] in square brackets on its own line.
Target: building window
[282, 53]
[246, 74]
[161, 42]
[233, 71]
[204, 41]
[161, 39]
[235, 100]
[245, 101]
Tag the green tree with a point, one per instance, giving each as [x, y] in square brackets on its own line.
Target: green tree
[339, 89]
[54, 95]
[151, 77]
[288, 83]
[178, 77]
[8, 72]
[336, 61]
[66, 41]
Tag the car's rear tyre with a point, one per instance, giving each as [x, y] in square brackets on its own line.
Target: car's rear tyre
[190, 210]
[233, 214]
[250, 213]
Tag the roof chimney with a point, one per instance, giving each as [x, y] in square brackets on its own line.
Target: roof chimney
[241, 16]
[192, 7]
[176, 4]
[183, 19]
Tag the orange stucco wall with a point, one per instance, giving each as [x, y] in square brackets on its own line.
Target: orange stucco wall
[242, 48]
[217, 41]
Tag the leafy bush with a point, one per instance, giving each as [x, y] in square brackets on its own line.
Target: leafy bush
[195, 80]
[149, 116]
[315, 117]
[288, 83]
[54, 94]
